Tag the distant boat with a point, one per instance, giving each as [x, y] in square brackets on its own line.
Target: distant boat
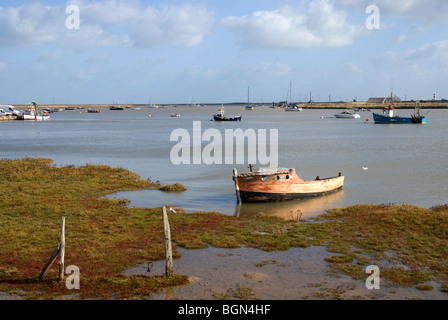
[287, 105]
[249, 106]
[33, 114]
[116, 108]
[272, 185]
[93, 111]
[347, 115]
[390, 117]
[293, 108]
[220, 116]
[193, 104]
[175, 115]
[150, 105]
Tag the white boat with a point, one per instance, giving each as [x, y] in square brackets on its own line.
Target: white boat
[288, 105]
[347, 115]
[35, 117]
[150, 105]
[33, 114]
[175, 115]
[249, 106]
[293, 108]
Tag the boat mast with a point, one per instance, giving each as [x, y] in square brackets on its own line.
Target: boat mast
[288, 99]
[391, 108]
[36, 113]
[290, 90]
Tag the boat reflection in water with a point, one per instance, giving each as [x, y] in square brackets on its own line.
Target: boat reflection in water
[293, 209]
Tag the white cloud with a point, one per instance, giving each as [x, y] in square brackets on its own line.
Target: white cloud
[429, 59]
[28, 25]
[184, 25]
[436, 52]
[354, 67]
[106, 23]
[318, 25]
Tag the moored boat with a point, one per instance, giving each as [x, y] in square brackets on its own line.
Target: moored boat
[220, 116]
[33, 114]
[271, 185]
[389, 115]
[347, 115]
[293, 108]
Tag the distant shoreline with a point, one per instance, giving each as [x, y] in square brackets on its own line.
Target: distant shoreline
[313, 105]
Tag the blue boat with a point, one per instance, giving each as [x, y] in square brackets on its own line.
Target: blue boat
[390, 117]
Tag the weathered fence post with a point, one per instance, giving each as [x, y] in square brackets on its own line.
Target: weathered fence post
[62, 251]
[53, 257]
[168, 252]
[237, 189]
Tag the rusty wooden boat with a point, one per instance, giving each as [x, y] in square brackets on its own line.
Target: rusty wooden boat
[272, 185]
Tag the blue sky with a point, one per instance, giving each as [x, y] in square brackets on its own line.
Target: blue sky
[213, 50]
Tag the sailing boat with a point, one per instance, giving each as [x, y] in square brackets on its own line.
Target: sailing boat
[249, 107]
[33, 114]
[389, 115]
[290, 107]
[192, 104]
[150, 105]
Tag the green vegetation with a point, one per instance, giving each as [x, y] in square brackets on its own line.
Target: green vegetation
[104, 237]
[177, 187]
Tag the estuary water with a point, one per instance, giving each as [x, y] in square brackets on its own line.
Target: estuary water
[382, 163]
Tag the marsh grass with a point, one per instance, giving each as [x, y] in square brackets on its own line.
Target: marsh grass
[176, 187]
[408, 243]
[104, 237]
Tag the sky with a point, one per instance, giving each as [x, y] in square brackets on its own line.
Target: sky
[218, 51]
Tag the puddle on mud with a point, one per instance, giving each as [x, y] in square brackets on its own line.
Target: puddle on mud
[286, 275]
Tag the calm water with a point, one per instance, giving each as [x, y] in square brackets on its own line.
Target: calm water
[406, 163]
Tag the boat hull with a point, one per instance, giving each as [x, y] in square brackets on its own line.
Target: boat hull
[282, 185]
[254, 197]
[346, 115]
[35, 118]
[217, 118]
[382, 119]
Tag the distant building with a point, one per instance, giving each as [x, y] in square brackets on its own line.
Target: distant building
[383, 100]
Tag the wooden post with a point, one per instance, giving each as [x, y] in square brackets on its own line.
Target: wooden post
[53, 257]
[168, 252]
[237, 189]
[62, 251]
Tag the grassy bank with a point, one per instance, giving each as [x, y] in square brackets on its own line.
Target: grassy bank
[104, 237]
